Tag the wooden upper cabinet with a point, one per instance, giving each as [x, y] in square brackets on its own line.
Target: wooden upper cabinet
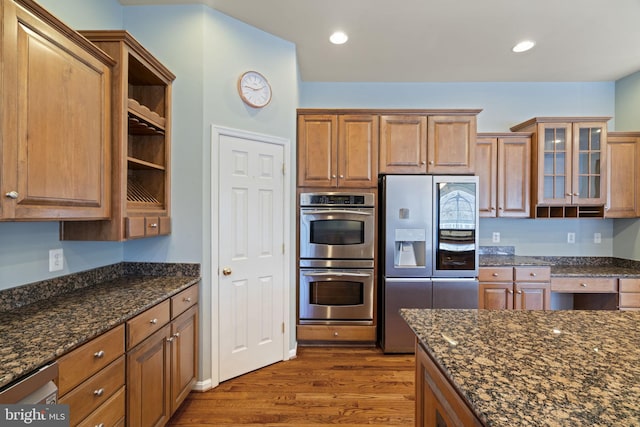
[358, 151]
[451, 146]
[503, 165]
[55, 147]
[141, 190]
[569, 160]
[338, 150]
[317, 150]
[623, 181]
[487, 172]
[403, 144]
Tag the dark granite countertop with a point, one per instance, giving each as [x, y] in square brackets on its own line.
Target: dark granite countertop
[538, 368]
[33, 333]
[568, 266]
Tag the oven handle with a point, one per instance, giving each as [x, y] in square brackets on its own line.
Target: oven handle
[335, 211]
[336, 274]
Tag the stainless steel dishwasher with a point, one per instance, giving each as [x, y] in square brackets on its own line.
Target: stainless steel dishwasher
[36, 388]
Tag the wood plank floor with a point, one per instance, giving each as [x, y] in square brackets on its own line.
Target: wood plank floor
[347, 386]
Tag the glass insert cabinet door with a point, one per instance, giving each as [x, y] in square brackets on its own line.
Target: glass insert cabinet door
[572, 156]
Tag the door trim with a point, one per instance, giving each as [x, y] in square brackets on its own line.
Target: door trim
[216, 133]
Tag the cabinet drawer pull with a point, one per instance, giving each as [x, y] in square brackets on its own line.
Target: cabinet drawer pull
[335, 334]
[188, 299]
[495, 274]
[584, 285]
[12, 194]
[99, 425]
[532, 274]
[99, 392]
[99, 354]
[153, 225]
[153, 321]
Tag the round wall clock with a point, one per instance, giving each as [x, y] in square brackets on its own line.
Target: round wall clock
[254, 89]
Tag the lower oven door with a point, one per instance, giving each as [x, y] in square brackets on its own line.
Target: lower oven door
[336, 296]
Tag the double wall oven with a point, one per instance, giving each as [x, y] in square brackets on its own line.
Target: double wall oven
[337, 243]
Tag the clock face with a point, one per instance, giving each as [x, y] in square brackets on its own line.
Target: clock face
[254, 89]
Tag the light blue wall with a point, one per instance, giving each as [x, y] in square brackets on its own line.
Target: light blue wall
[503, 105]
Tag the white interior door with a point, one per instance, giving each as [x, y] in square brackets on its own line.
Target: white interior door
[251, 261]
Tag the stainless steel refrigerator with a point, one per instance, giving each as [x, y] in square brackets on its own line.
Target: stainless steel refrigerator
[429, 246]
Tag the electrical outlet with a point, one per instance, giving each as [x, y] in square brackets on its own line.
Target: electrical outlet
[56, 259]
[571, 237]
[597, 238]
[495, 238]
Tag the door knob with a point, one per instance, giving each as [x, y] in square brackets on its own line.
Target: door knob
[226, 271]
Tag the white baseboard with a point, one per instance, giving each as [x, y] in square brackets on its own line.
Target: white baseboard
[203, 385]
[293, 352]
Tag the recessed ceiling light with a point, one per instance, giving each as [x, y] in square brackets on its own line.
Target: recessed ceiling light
[523, 46]
[338, 38]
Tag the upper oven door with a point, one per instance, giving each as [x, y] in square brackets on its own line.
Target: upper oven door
[337, 233]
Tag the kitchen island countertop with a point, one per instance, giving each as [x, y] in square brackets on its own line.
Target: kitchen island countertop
[538, 368]
[36, 333]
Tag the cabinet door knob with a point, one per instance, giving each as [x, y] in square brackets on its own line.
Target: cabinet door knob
[431, 162]
[333, 176]
[423, 162]
[519, 291]
[510, 291]
[153, 321]
[576, 194]
[170, 339]
[176, 335]
[341, 176]
[99, 392]
[12, 194]
[98, 354]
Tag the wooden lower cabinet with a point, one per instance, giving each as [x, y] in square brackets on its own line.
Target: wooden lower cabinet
[91, 378]
[437, 402]
[336, 334]
[137, 373]
[162, 368]
[629, 297]
[519, 288]
[148, 380]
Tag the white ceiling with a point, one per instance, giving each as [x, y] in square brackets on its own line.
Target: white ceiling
[449, 40]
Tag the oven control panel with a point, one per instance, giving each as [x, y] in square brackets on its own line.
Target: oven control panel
[337, 199]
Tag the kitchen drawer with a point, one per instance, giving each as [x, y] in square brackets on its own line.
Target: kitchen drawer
[110, 414]
[145, 324]
[183, 300]
[629, 300]
[585, 285]
[139, 226]
[495, 274]
[95, 391]
[629, 285]
[336, 333]
[81, 363]
[532, 274]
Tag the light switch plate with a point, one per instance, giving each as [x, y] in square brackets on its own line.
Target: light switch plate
[571, 237]
[495, 238]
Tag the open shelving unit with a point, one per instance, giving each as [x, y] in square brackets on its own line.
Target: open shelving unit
[141, 100]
